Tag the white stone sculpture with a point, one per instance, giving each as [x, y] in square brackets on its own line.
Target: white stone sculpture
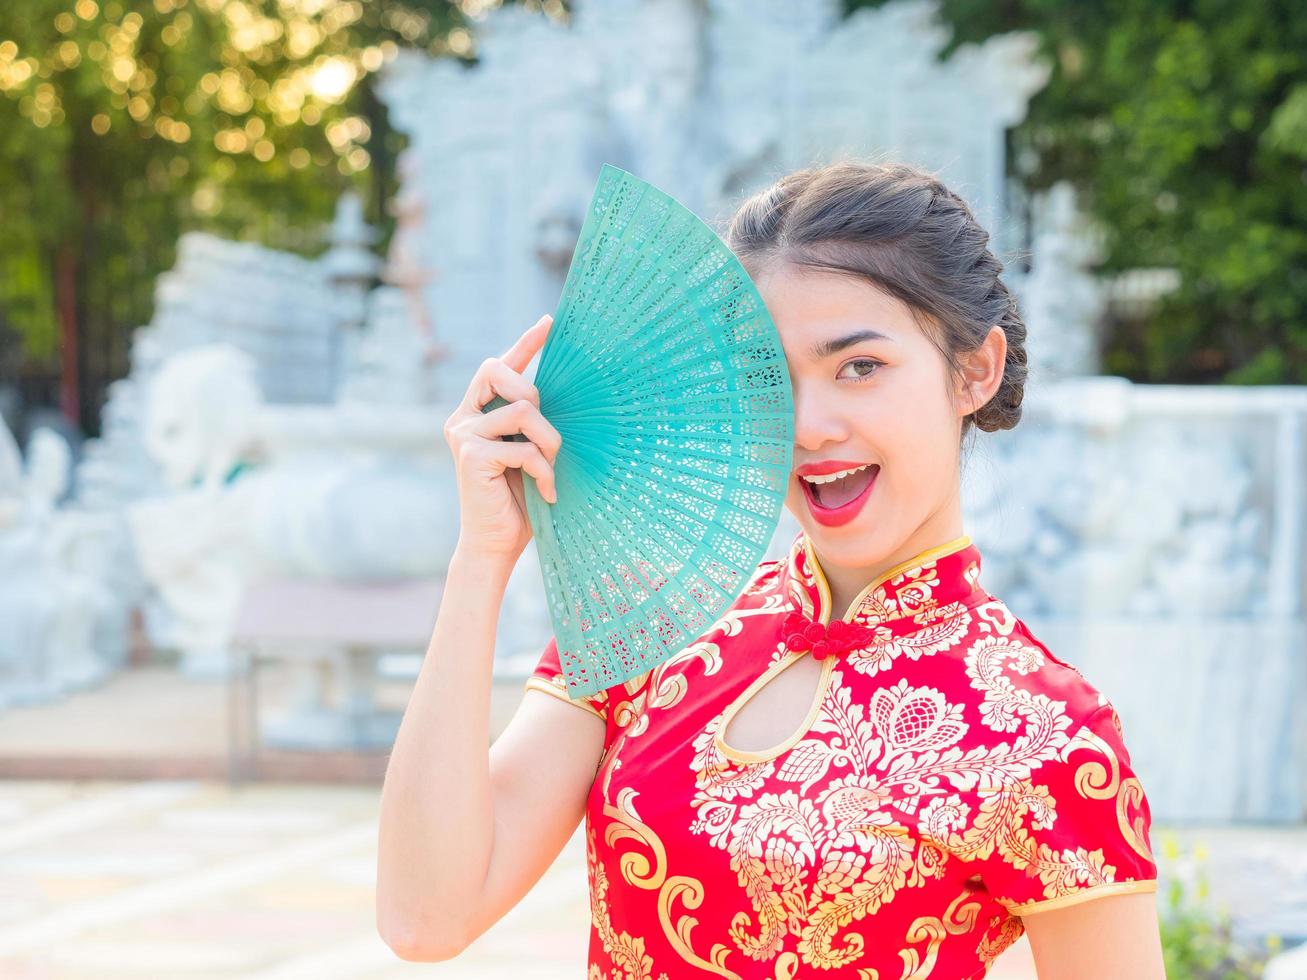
[60, 629]
[1126, 524]
[11, 475]
[200, 416]
[27, 609]
[279, 308]
[406, 267]
[1061, 301]
[354, 491]
[389, 363]
[194, 543]
[1111, 497]
[90, 637]
[351, 268]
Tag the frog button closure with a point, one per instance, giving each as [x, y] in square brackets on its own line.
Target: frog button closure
[824, 640]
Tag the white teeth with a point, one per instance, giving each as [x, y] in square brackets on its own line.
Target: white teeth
[832, 477]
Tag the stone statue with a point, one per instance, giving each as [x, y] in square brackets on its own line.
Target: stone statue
[1062, 302]
[341, 492]
[389, 364]
[194, 544]
[61, 629]
[11, 475]
[28, 614]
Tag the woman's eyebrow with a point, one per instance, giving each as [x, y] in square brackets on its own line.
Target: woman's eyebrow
[825, 348]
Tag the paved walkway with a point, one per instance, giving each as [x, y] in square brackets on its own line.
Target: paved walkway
[183, 879]
[191, 879]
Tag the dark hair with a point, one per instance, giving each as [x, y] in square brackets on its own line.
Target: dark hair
[901, 228]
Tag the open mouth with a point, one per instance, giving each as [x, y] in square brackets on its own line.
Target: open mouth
[837, 493]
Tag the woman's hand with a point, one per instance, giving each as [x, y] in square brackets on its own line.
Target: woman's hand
[492, 502]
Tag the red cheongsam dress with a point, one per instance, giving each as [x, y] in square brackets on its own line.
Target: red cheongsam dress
[951, 776]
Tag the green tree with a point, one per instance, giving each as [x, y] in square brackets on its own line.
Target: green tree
[126, 122]
[1183, 127]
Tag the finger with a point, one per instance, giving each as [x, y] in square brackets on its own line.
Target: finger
[494, 458]
[523, 417]
[536, 464]
[519, 355]
[538, 429]
[494, 377]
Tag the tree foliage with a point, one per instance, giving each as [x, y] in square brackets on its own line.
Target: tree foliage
[126, 122]
[1183, 126]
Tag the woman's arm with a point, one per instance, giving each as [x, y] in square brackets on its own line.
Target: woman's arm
[1112, 936]
[465, 831]
[437, 816]
[437, 820]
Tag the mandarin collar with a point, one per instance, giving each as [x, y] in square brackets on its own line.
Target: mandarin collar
[927, 586]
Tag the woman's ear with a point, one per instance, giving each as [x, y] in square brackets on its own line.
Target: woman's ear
[982, 372]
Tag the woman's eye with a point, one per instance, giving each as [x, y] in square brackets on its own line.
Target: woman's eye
[868, 371]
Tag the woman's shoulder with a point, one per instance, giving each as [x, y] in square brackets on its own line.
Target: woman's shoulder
[1031, 665]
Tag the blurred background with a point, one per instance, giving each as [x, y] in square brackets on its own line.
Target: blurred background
[254, 249]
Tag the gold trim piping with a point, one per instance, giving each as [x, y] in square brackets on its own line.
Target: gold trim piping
[1084, 895]
[763, 755]
[828, 666]
[938, 551]
[538, 684]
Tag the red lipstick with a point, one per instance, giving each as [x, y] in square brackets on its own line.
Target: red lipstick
[834, 516]
[822, 467]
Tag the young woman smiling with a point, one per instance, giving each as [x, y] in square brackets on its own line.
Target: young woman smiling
[869, 766]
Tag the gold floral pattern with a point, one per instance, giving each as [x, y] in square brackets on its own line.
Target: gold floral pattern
[950, 777]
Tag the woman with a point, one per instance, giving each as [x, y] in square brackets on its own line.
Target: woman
[868, 767]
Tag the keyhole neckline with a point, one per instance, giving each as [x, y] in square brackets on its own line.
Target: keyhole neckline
[827, 664]
[809, 719]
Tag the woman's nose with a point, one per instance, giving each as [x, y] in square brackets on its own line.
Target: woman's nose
[816, 424]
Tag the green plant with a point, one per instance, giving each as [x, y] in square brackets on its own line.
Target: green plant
[1197, 941]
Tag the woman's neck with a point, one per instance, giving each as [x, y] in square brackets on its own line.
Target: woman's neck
[848, 582]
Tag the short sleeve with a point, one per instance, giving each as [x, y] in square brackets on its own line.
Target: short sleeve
[1077, 829]
[548, 677]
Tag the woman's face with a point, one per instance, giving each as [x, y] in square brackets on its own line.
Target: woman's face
[880, 400]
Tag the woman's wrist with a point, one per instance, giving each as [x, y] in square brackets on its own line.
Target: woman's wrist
[483, 567]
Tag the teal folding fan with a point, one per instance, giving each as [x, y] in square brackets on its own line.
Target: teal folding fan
[665, 376]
